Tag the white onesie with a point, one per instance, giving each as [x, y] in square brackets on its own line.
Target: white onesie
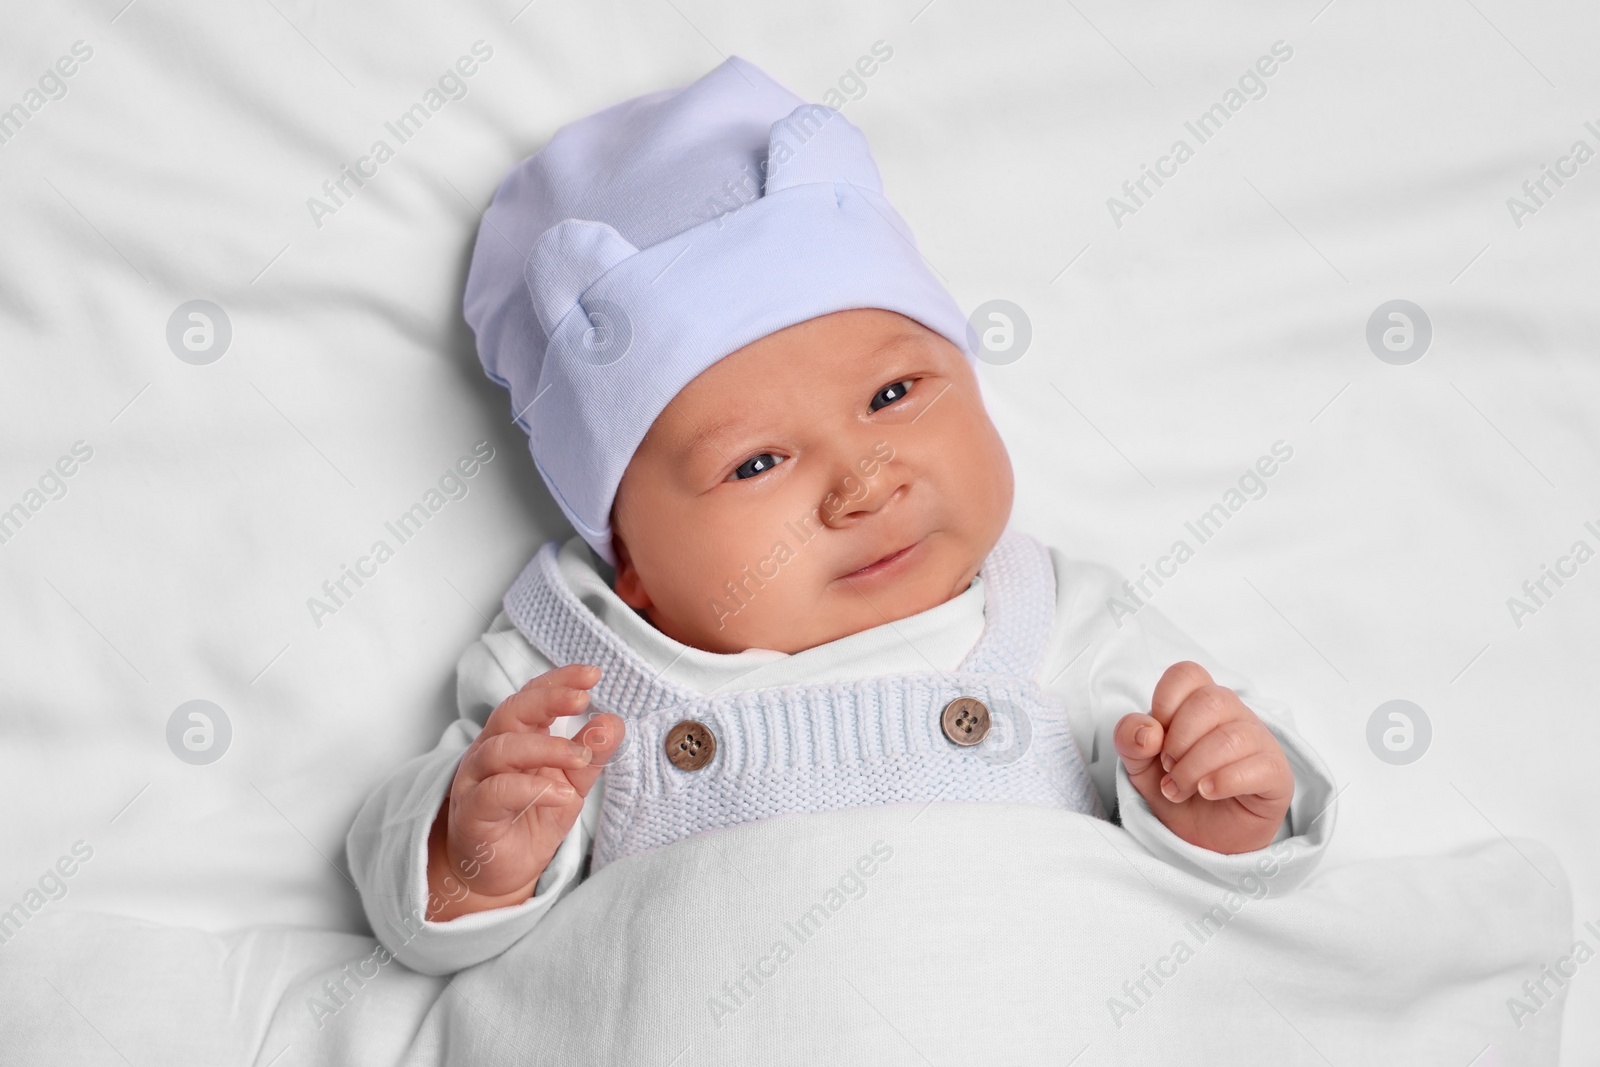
[1097, 667]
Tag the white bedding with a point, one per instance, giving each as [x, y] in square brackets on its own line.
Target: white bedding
[1228, 312]
[902, 934]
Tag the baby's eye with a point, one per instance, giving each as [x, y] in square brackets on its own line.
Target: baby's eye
[889, 394]
[756, 465]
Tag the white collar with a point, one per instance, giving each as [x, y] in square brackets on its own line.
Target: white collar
[936, 639]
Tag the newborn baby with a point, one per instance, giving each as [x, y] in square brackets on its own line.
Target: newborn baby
[794, 586]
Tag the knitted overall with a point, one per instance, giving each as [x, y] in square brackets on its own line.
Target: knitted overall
[803, 748]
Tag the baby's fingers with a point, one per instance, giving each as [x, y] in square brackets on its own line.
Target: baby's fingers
[563, 691]
[1178, 682]
[1260, 775]
[507, 796]
[1242, 744]
[509, 752]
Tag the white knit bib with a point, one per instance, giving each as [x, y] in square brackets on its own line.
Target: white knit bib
[788, 750]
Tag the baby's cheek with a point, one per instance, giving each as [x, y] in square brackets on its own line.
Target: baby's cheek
[980, 481]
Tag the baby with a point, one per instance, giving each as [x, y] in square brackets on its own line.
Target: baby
[794, 586]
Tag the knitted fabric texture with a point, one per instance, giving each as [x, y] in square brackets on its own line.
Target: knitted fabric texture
[804, 748]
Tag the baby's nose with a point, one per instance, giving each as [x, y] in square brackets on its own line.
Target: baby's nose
[853, 499]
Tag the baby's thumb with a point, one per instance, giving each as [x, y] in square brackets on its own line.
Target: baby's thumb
[602, 734]
[1138, 739]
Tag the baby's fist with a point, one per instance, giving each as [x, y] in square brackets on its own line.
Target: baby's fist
[1209, 768]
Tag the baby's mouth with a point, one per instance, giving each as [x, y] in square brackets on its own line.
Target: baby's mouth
[894, 562]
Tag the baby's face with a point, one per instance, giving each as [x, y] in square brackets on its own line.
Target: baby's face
[760, 508]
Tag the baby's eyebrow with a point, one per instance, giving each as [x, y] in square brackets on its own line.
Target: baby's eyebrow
[893, 343]
[706, 433]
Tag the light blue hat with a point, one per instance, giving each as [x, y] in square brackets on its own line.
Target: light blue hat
[647, 241]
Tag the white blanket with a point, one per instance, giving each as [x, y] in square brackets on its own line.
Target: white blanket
[951, 934]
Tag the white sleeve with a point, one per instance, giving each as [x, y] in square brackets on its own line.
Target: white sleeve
[388, 843]
[1107, 652]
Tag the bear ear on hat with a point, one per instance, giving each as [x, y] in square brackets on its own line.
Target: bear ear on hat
[815, 144]
[566, 259]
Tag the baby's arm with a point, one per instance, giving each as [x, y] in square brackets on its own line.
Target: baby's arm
[388, 844]
[1104, 665]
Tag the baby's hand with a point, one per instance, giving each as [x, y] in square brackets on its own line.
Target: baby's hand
[1210, 769]
[517, 791]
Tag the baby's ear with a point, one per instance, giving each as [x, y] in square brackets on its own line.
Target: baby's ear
[627, 585]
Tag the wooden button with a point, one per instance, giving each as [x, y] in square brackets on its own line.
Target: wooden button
[965, 721]
[690, 745]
